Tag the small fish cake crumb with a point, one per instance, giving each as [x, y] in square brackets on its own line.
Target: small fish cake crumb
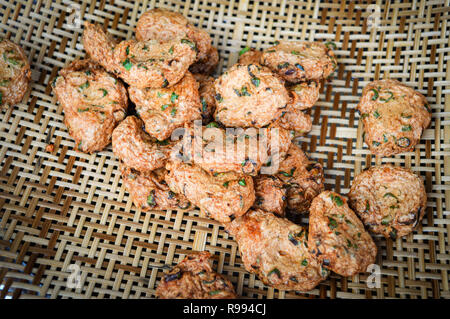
[194, 278]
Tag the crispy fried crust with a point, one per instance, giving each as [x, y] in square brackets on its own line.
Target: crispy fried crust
[149, 191]
[249, 96]
[217, 150]
[94, 102]
[193, 278]
[297, 61]
[304, 180]
[220, 198]
[207, 65]
[270, 194]
[164, 25]
[15, 73]
[337, 237]
[304, 95]
[207, 96]
[140, 63]
[390, 200]
[394, 117]
[276, 250]
[164, 110]
[252, 56]
[136, 149]
[294, 120]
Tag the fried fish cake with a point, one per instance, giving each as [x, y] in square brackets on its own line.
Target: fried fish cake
[270, 194]
[276, 250]
[207, 93]
[389, 200]
[217, 150]
[249, 96]
[194, 278]
[304, 180]
[207, 65]
[297, 61]
[140, 63]
[149, 191]
[337, 237]
[15, 73]
[219, 198]
[165, 109]
[304, 94]
[164, 25]
[136, 149]
[294, 120]
[394, 117]
[94, 102]
[249, 56]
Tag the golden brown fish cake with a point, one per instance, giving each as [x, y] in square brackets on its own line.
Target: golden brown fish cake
[15, 74]
[149, 191]
[94, 102]
[389, 200]
[140, 63]
[207, 65]
[217, 150]
[297, 61]
[270, 194]
[165, 109]
[304, 180]
[219, 198]
[276, 250]
[207, 96]
[394, 117]
[194, 278]
[304, 95]
[164, 25]
[250, 56]
[294, 120]
[136, 149]
[249, 95]
[337, 237]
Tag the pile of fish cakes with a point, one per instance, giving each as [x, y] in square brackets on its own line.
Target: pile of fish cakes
[166, 72]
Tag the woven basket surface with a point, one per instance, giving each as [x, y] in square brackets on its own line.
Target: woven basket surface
[66, 213]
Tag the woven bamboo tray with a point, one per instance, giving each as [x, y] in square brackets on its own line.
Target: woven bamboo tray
[64, 213]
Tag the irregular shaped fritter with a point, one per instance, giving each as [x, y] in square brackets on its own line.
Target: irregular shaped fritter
[337, 237]
[394, 117]
[165, 109]
[219, 198]
[297, 61]
[194, 278]
[207, 65]
[15, 73]
[140, 63]
[207, 96]
[164, 25]
[217, 150]
[136, 149]
[249, 95]
[304, 180]
[276, 250]
[294, 120]
[94, 102]
[149, 191]
[390, 200]
[270, 194]
[304, 95]
[249, 56]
